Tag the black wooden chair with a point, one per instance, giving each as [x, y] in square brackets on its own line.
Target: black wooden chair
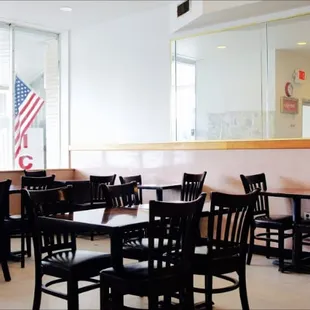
[302, 234]
[96, 183]
[17, 224]
[168, 269]
[96, 195]
[123, 195]
[35, 173]
[192, 185]
[126, 196]
[4, 234]
[224, 249]
[263, 219]
[55, 250]
[133, 178]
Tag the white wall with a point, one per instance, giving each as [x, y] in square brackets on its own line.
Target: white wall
[120, 80]
[290, 125]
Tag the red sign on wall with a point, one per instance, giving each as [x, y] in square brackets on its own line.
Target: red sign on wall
[289, 105]
[301, 75]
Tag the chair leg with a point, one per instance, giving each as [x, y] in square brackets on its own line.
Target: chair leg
[268, 243]
[153, 302]
[28, 244]
[208, 291]
[251, 245]
[6, 271]
[189, 295]
[117, 300]
[22, 250]
[167, 301]
[281, 250]
[37, 293]
[73, 295]
[104, 296]
[243, 289]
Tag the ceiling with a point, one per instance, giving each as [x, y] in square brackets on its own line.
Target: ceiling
[47, 15]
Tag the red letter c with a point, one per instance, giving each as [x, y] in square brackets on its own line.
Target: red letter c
[24, 165]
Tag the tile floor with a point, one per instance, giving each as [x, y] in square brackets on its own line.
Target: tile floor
[267, 288]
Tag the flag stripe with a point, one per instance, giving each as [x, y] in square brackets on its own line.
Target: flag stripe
[25, 128]
[27, 105]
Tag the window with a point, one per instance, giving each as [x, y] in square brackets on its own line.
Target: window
[184, 78]
[29, 99]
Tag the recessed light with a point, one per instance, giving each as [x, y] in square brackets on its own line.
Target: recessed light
[66, 9]
[301, 43]
[222, 46]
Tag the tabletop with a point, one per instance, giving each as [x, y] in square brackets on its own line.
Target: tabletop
[107, 219]
[301, 193]
[160, 186]
[14, 189]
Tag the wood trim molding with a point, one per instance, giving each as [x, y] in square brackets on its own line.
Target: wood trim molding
[201, 145]
[21, 171]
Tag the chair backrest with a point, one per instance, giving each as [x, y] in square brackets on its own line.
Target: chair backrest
[173, 224]
[133, 178]
[4, 200]
[123, 195]
[4, 212]
[37, 183]
[229, 223]
[252, 182]
[96, 186]
[81, 190]
[46, 203]
[35, 173]
[192, 185]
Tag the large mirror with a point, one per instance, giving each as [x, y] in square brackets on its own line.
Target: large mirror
[245, 83]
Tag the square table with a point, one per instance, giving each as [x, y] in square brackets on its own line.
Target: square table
[159, 188]
[113, 221]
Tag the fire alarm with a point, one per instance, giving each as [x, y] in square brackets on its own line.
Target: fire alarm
[299, 76]
[289, 89]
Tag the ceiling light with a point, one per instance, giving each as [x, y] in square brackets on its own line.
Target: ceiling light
[301, 43]
[222, 46]
[66, 9]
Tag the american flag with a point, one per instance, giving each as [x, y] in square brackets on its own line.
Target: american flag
[27, 105]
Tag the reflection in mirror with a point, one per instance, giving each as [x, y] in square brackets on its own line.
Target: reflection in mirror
[245, 83]
[288, 84]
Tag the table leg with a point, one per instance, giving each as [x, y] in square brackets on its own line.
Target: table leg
[159, 194]
[117, 249]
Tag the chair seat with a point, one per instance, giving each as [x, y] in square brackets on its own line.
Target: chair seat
[15, 217]
[88, 206]
[138, 248]
[224, 261]
[135, 279]
[274, 219]
[81, 263]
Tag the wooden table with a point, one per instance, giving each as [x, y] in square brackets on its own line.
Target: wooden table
[160, 188]
[113, 221]
[15, 189]
[296, 195]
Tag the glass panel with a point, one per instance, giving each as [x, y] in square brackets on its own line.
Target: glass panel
[219, 85]
[5, 100]
[36, 100]
[289, 57]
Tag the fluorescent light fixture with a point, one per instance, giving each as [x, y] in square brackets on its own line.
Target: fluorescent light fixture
[222, 46]
[66, 9]
[301, 43]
